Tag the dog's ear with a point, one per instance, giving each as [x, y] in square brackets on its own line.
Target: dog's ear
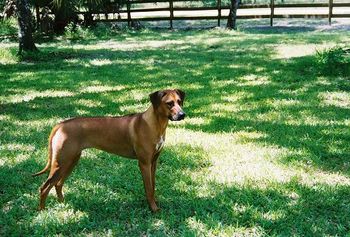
[156, 98]
[181, 93]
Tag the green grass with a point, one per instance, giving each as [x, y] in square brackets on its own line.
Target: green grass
[264, 149]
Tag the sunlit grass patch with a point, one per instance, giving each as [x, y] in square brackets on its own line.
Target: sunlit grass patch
[101, 89]
[60, 218]
[291, 51]
[8, 54]
[100, 62]
[338, 99]
[233, 162]
[254, 80]
[31, 95]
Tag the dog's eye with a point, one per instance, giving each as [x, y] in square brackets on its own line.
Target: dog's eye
[170, 104]
[179, 102]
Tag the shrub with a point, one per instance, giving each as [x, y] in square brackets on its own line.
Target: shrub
[8, 26]
[75, 31]
[333, 61]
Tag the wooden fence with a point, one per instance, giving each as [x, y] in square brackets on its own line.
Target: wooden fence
[219, 8]
[125, 14]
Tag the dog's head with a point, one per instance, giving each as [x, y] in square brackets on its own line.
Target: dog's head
[169, 103]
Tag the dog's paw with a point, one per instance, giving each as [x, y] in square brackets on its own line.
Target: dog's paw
[155, 209]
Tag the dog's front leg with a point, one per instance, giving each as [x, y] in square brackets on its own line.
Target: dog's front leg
[154, 168]
[146, 171]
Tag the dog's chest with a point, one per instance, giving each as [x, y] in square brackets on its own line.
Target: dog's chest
[160, 143]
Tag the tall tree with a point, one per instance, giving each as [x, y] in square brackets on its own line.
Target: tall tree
[231, 21]
[25, 23]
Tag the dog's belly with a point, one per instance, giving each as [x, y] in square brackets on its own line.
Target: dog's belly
[111, 143]
[119, 149]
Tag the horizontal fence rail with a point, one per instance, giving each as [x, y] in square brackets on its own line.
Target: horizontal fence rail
[218, 12]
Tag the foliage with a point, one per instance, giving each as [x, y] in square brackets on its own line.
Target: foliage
[8, 26]
[335, 60]
[78, 32]
[74, 31]
[2, 5]
[263, 152]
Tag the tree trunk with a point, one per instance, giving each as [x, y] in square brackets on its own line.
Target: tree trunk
[60, 22]
[231, 21]
[88, 19]
[25, 37]
[65, 12]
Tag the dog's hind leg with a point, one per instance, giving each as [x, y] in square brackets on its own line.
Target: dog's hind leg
[64, 175]
[46, 187]
[59, 192]
[64, 158]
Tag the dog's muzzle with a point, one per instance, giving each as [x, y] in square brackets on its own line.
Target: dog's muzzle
[179, 116]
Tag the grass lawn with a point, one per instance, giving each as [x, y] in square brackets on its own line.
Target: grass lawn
[264, 149]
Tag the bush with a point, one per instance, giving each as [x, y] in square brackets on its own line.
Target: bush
[100, 30]
[333, 61]
[8, 26]
[75, 31]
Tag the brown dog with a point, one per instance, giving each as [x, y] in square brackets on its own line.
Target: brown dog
[138, 136]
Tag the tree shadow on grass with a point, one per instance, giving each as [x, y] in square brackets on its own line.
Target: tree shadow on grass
[277, 29]
[105, 195]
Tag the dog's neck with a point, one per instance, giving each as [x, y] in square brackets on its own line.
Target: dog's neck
[155, 120]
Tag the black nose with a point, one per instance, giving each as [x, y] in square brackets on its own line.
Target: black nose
[181, 115]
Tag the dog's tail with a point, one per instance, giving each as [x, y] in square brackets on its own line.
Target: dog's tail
[48, 164]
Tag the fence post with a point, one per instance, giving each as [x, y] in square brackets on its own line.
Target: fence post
[219, 12]
[171, 8]
[129, 14]
[330, 11]
[272, 6]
